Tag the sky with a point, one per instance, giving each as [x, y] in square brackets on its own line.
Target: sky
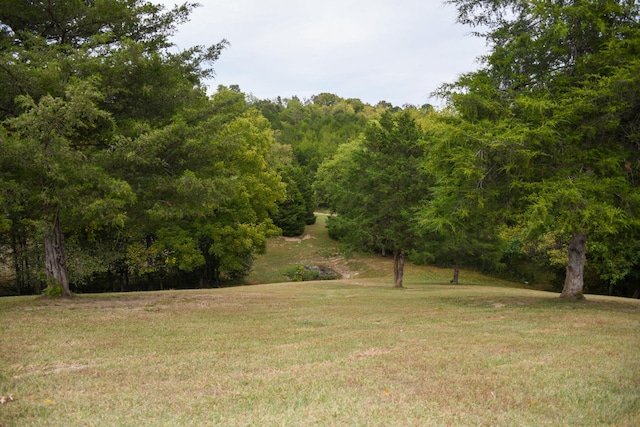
[397, 51]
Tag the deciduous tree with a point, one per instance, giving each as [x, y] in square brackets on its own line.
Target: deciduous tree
[206, 185]
[50, 155]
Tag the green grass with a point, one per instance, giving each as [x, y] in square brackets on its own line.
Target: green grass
[348, 352]
[316, 248]
[313, 248]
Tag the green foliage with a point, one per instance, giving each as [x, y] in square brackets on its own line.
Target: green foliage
[459, 223]
[303, 182]
[316, 128]
[212, 212]
[297, 210]
[298, 273]
[303, 273]
[123, 41]
[290, 216]
[148, 175]
[547, 129]
[375, 184]
[53, 291]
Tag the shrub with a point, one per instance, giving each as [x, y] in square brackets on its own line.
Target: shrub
[302, 273]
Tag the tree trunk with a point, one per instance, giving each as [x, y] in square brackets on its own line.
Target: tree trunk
[17, 263]
[456, 273]
[55, 261]
[574, 280]
[398, 268]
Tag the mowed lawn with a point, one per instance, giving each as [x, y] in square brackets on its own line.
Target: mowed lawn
[351, 352]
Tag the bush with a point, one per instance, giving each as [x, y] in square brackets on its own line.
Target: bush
[53, 291]
[303, 273]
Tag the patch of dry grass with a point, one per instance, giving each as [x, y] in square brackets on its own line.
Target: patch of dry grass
[350, 352]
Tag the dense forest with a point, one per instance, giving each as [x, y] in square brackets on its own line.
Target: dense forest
[120, 171]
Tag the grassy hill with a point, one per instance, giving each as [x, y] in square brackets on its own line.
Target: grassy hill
[324, 353]
[316, 248]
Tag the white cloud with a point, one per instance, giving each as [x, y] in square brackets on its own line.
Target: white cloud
[393, 50]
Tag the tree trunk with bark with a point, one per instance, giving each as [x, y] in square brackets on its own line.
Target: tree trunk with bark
[574, 280]
[456, 273]
[55, 260]
[398, 268]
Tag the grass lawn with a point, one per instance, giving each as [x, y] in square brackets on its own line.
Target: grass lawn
[351, 352]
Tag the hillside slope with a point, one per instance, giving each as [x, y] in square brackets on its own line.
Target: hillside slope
[316, 248]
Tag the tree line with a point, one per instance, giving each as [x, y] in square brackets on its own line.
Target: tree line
[119, 172]
[534, 159]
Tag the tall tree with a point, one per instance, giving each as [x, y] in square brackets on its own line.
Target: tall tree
[291, 215]
[374, 186]
[49, 155]
[554, 112]
[207, 185]
[69, 121]
[457, 219]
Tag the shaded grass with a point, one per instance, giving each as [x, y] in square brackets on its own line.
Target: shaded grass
[350, 352]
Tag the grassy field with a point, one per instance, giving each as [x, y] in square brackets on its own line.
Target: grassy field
[351, 352]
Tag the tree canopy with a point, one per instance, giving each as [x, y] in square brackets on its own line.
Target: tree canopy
[374, 184]
[118, 169]
[113, 155]
[552, 121]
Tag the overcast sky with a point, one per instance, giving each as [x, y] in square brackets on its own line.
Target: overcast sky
[393, 50]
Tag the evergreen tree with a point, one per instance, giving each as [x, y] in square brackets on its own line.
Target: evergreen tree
[290, 216]
[375, 184]
[110, 141]
[548, 127]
